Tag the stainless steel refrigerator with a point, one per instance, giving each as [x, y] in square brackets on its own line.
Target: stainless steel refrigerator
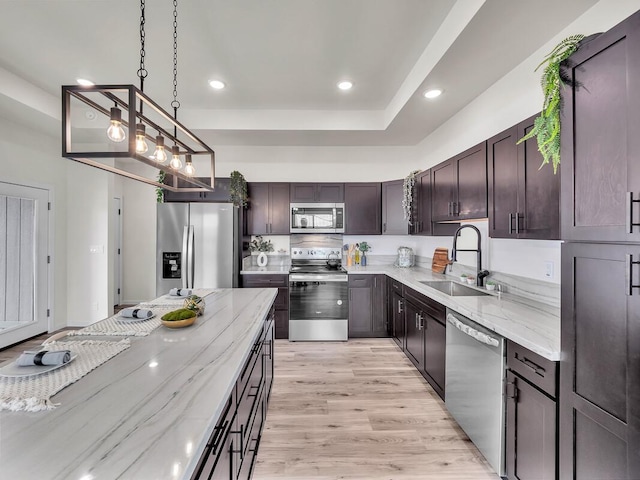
[197, 246]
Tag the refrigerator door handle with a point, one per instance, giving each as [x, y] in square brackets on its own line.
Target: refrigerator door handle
[191, 257]
[184, 264]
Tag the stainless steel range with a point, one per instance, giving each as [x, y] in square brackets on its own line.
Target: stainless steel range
[318, 291]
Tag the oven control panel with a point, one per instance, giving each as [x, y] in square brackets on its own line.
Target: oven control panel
[314, 253]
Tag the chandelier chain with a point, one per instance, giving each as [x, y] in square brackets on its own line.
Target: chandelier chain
[175, 103]
[142, 71]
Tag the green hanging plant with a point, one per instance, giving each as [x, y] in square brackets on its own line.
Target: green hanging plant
[546, 127]
[160, 191]
[407, 194]
[238, 189]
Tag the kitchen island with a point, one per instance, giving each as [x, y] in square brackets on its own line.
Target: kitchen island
[148, 412]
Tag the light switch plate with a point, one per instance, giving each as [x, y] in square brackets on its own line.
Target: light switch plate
[548, 269]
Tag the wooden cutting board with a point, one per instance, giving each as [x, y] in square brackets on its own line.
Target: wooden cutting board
[440, 260]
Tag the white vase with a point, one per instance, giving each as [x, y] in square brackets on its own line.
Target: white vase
[262, 259]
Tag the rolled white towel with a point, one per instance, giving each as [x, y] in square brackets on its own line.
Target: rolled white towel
[43, 357]
[180, 292]
[136, 313]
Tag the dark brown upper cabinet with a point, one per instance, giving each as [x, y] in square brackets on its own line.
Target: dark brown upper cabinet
[363, 207]
[220, 194]
[421, 206]
[393, 221]
[268, 211]
[459, 186]
[524, 199]
[317, 192]
[600, 138]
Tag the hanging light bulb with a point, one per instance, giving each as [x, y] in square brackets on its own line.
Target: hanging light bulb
[141, 139]
[189, 169]
[160, 155]
[115, 132]
[175, 163]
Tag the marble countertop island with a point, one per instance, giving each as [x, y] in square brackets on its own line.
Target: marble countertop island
[146, 413]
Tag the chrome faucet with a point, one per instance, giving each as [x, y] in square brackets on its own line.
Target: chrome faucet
[480, 274]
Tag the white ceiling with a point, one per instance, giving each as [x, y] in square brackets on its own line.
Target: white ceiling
[281, 60]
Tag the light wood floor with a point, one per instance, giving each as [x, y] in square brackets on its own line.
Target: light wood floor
[359, 410]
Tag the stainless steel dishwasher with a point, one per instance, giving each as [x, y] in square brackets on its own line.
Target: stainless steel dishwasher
[475, 370]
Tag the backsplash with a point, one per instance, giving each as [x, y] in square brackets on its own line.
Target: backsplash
[528, 268]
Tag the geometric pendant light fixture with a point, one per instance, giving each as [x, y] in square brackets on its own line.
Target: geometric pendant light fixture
[118, 128]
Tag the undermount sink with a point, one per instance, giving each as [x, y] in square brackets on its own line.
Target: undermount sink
[454, 289]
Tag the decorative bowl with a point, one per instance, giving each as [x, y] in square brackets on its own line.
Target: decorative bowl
[187, 322]
[490, 287]
[471, 280]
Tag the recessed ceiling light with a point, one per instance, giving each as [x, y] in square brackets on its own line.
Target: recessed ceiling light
[84, 82]
[217, 84]
[345, 85]
[436, 92]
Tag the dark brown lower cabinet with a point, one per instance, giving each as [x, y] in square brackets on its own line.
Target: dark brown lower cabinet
[532, 427]
[397, 319]
[414, 337]
[367, 312]
[600, 367]
[232, 449]
[531, 432]
[281, 282]
[425, 337]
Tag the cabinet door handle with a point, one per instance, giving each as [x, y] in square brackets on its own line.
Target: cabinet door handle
[534, 367]
[449, 208]
[629, 216]
[511, 224]
[241, 433]
[456, 208]
[517, 223]
[266, 228]
[384, 227]
[400, 306]
[511, 391]
[416, 321]
[628, 273]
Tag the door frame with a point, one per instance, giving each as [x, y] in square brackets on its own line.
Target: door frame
[49, 191]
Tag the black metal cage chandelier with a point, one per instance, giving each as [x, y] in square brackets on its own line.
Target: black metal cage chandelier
[127, 116]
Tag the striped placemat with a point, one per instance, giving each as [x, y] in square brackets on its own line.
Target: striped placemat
[118, 326]
[33, 393]
[176, 302]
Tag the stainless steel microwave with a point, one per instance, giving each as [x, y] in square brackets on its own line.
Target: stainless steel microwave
[317, 218]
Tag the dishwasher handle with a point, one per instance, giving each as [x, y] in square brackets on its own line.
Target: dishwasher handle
[472, 332]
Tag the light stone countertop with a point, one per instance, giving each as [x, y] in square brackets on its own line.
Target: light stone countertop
[529, 323]
[276, 269]
[532, 324]
[129, 420]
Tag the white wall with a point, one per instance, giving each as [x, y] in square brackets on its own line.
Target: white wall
[316, 164]
[89, 244]
[138, 238]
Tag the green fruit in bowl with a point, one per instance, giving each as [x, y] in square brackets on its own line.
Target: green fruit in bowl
[180, 314]
[195, 303]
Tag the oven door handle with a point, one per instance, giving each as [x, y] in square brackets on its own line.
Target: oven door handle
[317, 278]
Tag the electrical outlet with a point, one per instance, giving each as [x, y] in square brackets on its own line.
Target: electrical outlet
[548, 269]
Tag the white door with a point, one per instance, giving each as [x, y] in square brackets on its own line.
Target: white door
[117, 254]
[24, 246]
